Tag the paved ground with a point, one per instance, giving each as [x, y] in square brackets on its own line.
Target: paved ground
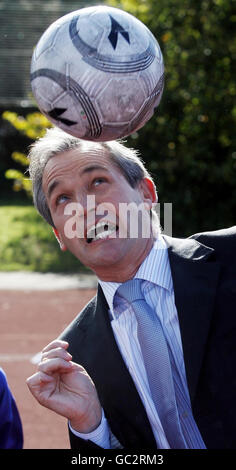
[34, 310]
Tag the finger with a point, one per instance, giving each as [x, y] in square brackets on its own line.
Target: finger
[57, 352]
[56, 344]
[37, 379]
[54, 365]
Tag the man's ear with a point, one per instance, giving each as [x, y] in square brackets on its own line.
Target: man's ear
[149, 191]
[57, 235]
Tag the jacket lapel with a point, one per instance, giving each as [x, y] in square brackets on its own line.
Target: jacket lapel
[101, 358]
[195, 274]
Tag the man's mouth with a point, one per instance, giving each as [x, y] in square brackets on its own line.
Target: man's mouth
[100, 231]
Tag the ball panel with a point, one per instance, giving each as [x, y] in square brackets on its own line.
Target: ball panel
[151, 76]
[46, 90]
[149, 106]
[91, 127]
[131, 56]
[88, 109]
[120, 100]
[113, 131]
[47, 40]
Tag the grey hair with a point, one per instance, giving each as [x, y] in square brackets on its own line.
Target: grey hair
[56, 141]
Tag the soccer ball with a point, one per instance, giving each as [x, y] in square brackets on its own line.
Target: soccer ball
[98, 73]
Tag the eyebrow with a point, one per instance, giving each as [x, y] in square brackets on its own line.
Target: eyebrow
[88, 169]
[51, 188]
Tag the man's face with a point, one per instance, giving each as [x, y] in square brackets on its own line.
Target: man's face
[75, 177]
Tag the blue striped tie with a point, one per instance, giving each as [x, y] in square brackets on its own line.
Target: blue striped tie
[157, 362]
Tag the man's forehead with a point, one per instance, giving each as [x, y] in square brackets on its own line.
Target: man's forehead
[79, 159]
[74, 162]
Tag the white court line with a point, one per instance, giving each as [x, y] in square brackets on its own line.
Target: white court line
[15, 357]
[36, 358]
[33, 281]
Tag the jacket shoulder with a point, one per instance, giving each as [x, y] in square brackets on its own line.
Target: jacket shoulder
[224, 232]
[223, 241]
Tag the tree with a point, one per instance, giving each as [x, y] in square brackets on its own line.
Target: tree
[188, 144]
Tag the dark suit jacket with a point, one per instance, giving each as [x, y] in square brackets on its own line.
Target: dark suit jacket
[204, 277]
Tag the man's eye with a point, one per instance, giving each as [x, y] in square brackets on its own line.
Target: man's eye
[98, 181]
[62, 198]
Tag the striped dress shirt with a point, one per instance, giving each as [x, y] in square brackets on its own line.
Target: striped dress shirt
[158, 292]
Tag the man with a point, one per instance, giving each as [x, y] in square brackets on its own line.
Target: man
[108, 392]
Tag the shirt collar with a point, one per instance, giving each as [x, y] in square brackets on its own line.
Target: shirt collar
[155, 268]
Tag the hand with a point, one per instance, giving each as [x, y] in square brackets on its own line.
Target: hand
[65, 387]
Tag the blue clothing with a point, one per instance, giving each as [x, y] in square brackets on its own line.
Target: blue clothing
[11, 434]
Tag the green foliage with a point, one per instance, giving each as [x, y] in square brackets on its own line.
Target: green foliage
[28, 244]
[189, 144]
[32, 126]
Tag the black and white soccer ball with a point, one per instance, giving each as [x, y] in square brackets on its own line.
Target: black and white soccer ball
[98, 73]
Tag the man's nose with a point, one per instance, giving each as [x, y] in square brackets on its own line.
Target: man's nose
[86, 205]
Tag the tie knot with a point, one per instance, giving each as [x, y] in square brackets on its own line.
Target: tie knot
[131, 290]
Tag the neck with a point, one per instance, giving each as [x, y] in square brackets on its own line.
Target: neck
[127, 268]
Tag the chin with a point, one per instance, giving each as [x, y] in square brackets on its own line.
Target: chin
[111, 257]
